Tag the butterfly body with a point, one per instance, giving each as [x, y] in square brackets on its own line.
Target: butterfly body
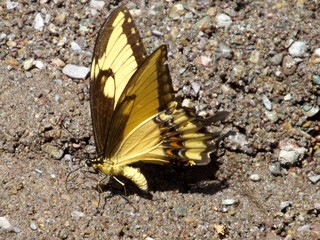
[134, 114]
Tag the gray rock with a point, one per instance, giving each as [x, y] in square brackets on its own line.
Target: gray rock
[314, 179]
[266, 102]
[223, 20]
[290, 155]
[298, 49]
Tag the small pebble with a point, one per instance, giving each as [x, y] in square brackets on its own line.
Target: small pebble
[53, 151]
[58, 2]
[305, 227]
[314, 179]
[17, 229]
[5, 224]
[239, 141]
[38, 171]
[205, 61]
[64, 233]
[75, 46]
[11, 5]
[74, 71]
[60, 19]
[254, 57]
[316, 80]
[157, 33]
[317, 52]
[28, 64]
[223, 20]
[310, 111]
[238, 71]
[56, 97]
[277, 59]
[38, 64]
[180, 211]
[58, 62]
[275, 169]
[255, 177]
[53, 29]
[33, 225]
[38, 23]
[289, 65]
[176, 11]
[284, 205]
[76, 215]
[272, 115]
[290, 155]
[298, 49]
[196, 87]
[203, 23]
[228, 202]
[266, 102]
[98, 5]
[225, 51]
[187, 103]
[287, 97]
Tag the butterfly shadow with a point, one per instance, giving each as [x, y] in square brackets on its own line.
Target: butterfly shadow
[191, 179]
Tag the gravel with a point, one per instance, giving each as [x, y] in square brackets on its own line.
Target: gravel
[223, 56]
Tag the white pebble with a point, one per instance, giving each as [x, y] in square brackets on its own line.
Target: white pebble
[205, 61]
[255, 177]
[28, 64]
[228, 202]
[74, 71]
[33, 225]
[187, 103]
[77, 215]
[290, 155]
[223, 20]
[287, 97]
[317, 52]
[98, 5]
[39, 64]
[5, 224]
[11, 5]
[298, 49]
[196, 87]
[38, 22]
[75, 46]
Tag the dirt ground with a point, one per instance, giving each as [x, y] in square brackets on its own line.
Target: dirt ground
[263, 183]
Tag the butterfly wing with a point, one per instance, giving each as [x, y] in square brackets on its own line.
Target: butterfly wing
[147, 93]
[117, 55]
[149, 126]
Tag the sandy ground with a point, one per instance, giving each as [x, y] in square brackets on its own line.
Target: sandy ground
[252, 189]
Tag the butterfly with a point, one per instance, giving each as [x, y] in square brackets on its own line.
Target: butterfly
[134, 113]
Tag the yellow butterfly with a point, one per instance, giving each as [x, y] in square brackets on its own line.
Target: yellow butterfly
[135, 117]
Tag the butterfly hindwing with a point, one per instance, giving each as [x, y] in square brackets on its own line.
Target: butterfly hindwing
[147, 93]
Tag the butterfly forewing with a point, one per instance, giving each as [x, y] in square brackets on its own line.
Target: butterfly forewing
[117, 55]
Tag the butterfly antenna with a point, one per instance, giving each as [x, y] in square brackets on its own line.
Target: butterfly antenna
[69, 174]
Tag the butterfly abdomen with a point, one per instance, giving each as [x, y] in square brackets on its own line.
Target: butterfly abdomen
[128, 172]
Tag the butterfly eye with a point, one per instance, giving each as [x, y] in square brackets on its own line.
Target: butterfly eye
[89, 163]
